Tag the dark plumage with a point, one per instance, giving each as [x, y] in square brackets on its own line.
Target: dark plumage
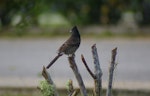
[69, 47]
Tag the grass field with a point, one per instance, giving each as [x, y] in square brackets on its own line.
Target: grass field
[49, 32]
[63, 92]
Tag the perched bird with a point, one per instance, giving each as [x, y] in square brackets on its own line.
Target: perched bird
[69, 47]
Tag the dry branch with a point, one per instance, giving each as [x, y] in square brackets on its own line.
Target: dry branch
[47, 77]
[97, 76]
[111, 71]
[75, 93]
[98, 72]
[70, 87]
[88, 69]
[77, 75]
[71, 90]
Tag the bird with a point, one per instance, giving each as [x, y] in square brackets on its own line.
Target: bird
[69, 47]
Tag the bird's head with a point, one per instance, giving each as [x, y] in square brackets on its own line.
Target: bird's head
[74, 31]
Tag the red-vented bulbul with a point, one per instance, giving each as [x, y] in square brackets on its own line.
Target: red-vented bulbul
[69, 47]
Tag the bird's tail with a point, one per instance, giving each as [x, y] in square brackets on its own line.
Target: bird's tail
[53, 61]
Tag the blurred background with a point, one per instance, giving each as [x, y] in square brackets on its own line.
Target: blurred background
[31, 31]
[34, 14]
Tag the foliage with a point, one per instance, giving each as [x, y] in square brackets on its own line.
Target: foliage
[46, 89]
[77, 12]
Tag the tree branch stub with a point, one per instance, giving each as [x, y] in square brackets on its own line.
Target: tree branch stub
[111, 71]
[98, 72]
[88, 69]
[47, 77]
[77, 75]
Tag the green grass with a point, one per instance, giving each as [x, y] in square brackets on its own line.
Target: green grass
[61, 32]
[63, 92]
